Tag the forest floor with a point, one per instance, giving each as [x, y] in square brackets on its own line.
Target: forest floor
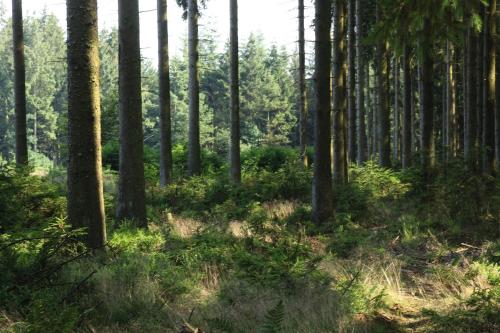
[400, 255]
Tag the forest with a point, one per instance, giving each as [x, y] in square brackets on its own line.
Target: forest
[351, 185]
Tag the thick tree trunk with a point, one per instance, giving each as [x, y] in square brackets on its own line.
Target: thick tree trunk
[85, 186]
[490, 87]
[19, 83]
[302, 85]
[322, 198]
[339, 87]
[131, 186]
[427, 117]
[194, 150]
[165, 107]
[360, 87]
[351, 82]
[407, 102]
[235, 95]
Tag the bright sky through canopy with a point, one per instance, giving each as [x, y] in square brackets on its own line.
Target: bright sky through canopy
[276, 19]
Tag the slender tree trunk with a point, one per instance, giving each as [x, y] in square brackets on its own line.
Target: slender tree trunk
[351, 82]
[194, 150]
[340, 174]
[451, 104]
[131, 186]
[376, 107]
[490, 87]
[427, 116]
[497, 101]
[370, 113]
[397, 132]
[470, 138]
[235, 96]
[384, 124]
[20, 83]
[360, 86]
[85, 185]
[322, 197]
[407, 101]
[480, 87]
[302, 85]
[165, 107]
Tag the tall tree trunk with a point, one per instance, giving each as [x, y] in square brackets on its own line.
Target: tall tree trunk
[302, 85]
[360, 86]
[396, 116]
[351, 82]
[340, 173]
[480, 86]
[497, 101]
[407, 102]
[85, 185]
[451, 104]
[235, 96]
[369, 116]
[490, 87]
[194, 150]
[165, 107]
[131, 186]
[470, 135]
[384, 123]
[322, 197]
[427, 116]
[20, 83]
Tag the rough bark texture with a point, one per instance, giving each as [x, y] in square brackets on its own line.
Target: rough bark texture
[360, 87]
[19, 83]
[427, 116]
[302, 86]
[351, 82]
[235, 95]
[165, 107]
[194, 151]
[489, 90]
[407, 102]
[339, 94]
[322, 198]
[131, 191]
[85, 187]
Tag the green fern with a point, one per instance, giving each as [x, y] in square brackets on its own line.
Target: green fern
[221, 325]
[274, 319]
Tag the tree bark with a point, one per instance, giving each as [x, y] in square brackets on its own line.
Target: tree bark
[165, 100]
[384, 123]
[302, 86]
[397, 123]
[85, 185]
[428, 157]
[407, 102]
[497, 100]
[360, 87]
[131, 185]
[351, 82]
[194, 150]
[235, 95]
[19, 83]
[322, 198]
[451, 104]
[490, 87]
[340, 173]
[470, 135]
